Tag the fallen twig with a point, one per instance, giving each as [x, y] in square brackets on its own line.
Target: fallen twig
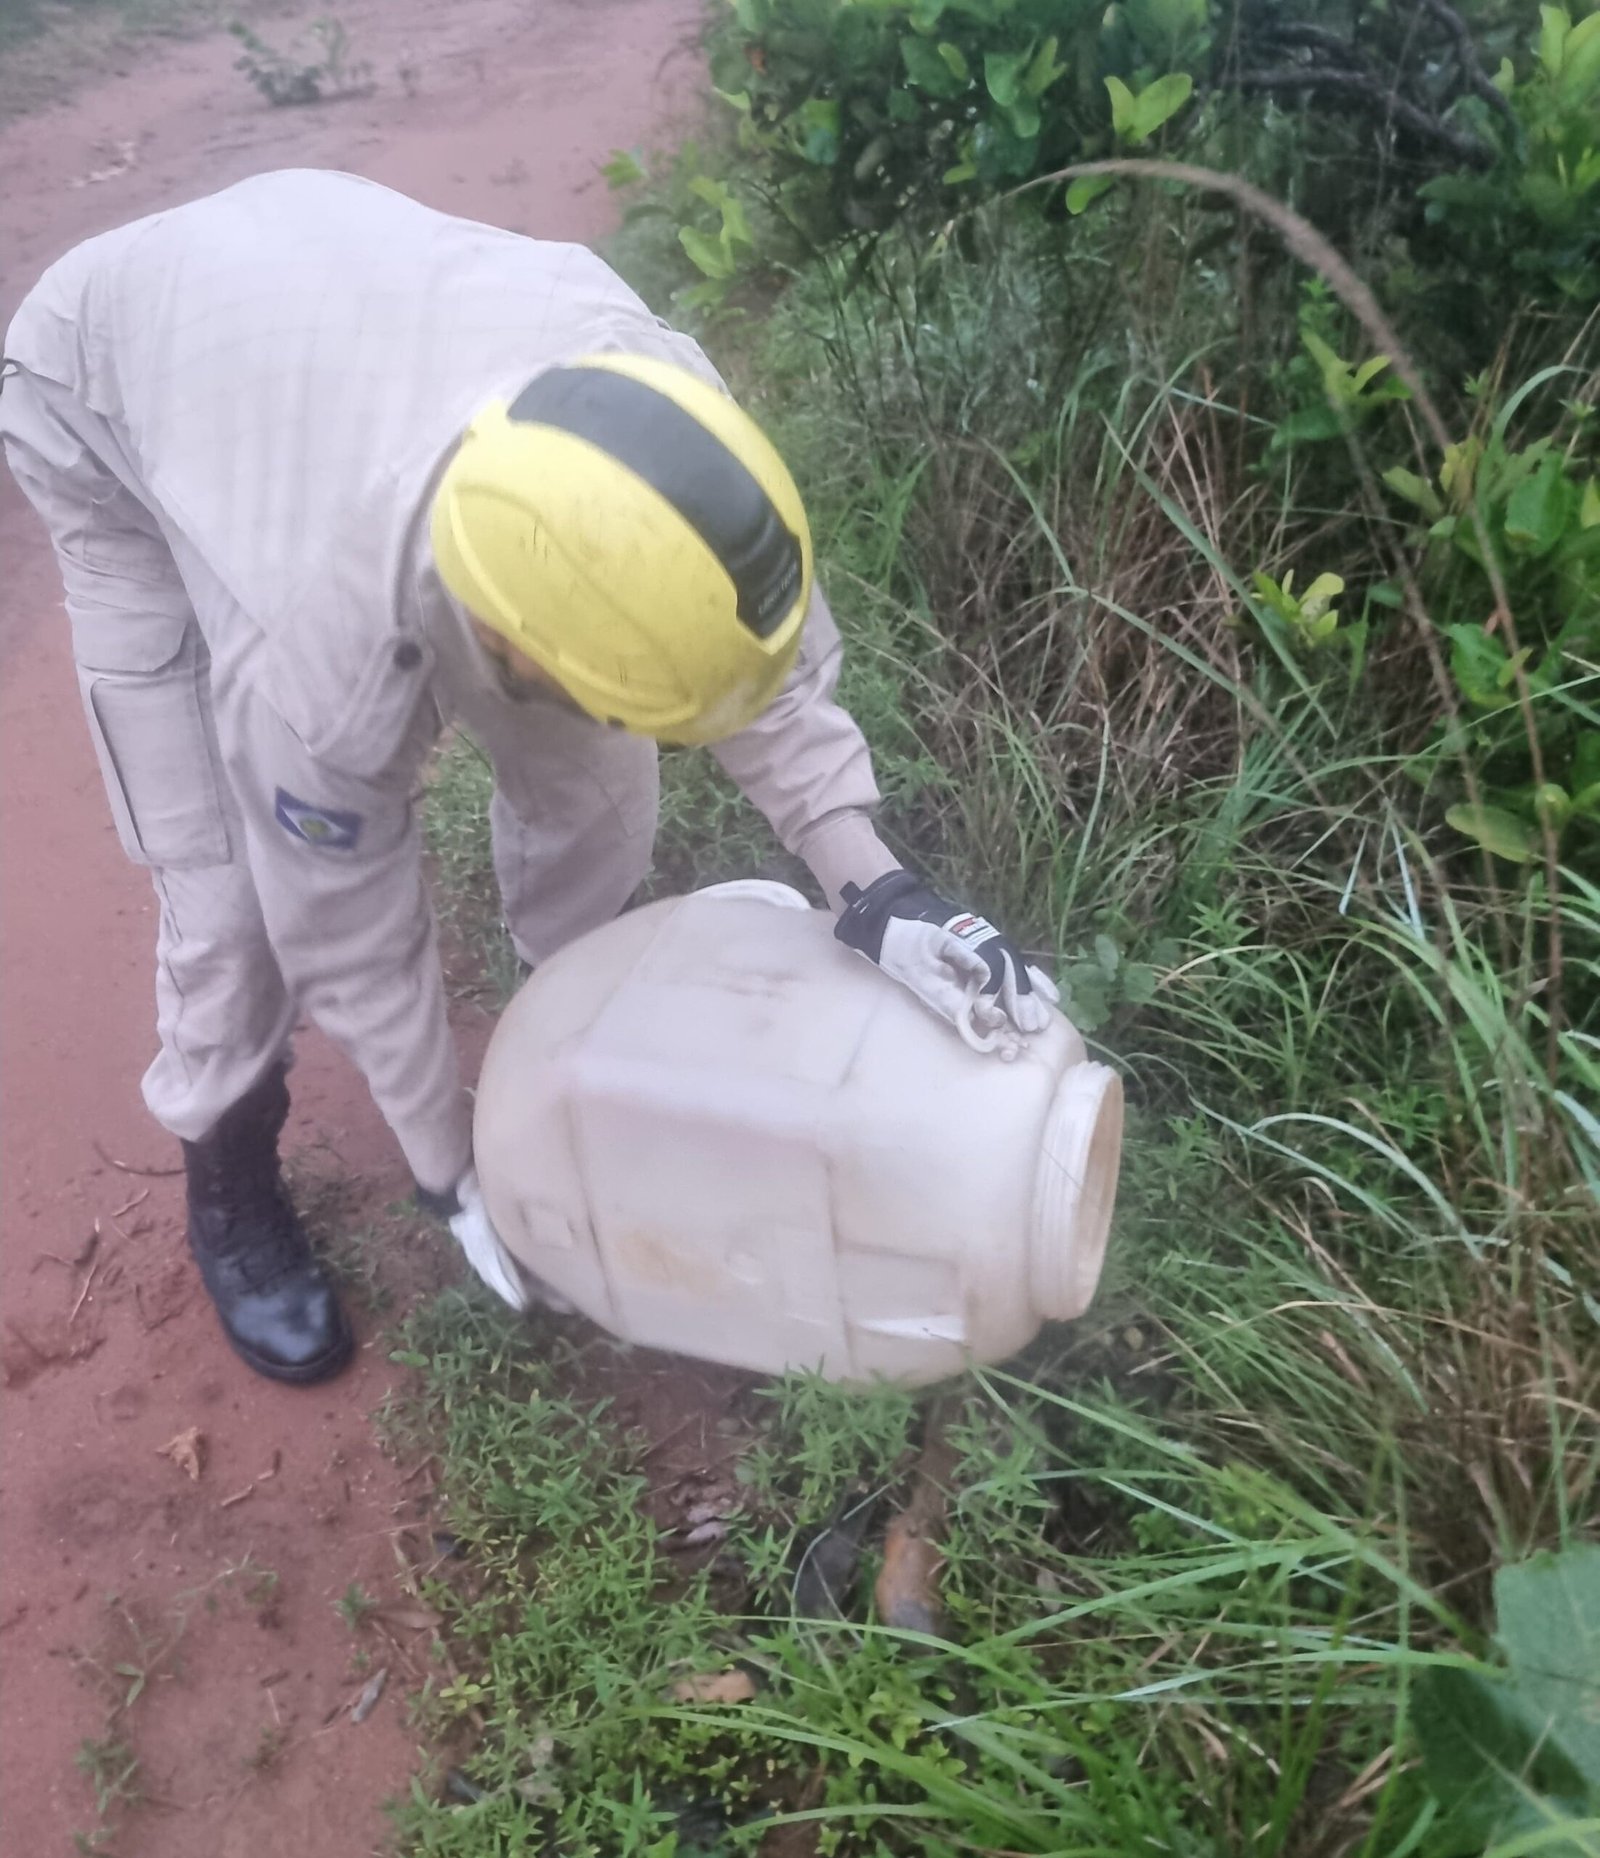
[90, 1255]
[127, 1167]
[88, 1280]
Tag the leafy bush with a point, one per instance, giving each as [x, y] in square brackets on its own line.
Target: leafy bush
[1535, 213]
[863, 113]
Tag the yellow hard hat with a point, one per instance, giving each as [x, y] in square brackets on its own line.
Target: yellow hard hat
[634, 533]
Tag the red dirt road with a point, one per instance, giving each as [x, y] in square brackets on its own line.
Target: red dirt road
[110, 1555]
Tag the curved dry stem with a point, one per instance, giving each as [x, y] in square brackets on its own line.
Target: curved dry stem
[1314, 251]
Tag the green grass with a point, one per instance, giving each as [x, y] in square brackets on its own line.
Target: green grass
[355, 1606]
[112, 1771]
[27, 20]
[50, 48]
[1214, 1556]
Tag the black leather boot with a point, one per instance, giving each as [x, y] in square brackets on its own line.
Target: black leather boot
[277, 1306]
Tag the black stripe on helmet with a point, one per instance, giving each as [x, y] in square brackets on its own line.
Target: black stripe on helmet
[657, 440]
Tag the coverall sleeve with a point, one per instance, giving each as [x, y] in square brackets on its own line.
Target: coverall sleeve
[805, 763]
[337, 863]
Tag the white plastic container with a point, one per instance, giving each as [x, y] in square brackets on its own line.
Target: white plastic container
[716, 1131]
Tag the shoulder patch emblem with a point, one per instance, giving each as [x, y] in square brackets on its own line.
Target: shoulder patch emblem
[319, 826]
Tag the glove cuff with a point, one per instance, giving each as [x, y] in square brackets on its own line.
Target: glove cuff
[867, 912]
[441, 1206]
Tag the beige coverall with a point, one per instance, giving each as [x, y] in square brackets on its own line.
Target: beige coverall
[231, 416]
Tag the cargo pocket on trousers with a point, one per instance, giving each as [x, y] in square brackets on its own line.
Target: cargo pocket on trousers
[153, 735]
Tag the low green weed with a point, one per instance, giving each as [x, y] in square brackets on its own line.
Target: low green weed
[1167, 1625]
[455, 826]
[320, 73]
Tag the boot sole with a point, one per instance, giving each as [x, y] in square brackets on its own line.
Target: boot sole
[297, 1374]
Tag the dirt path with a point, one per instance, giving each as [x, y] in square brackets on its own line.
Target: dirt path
[117, 1572]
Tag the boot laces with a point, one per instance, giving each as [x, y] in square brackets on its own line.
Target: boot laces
[263, 1236]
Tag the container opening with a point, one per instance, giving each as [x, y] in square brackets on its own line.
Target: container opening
[1075, 1191]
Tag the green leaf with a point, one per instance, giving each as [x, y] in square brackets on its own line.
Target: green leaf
[1585, 770]
[735, 226]
[1044, 70]
[818, 121]
[1482, 1755]
[1308, 425]
[966, 167]
[1278, 600]
[1552, 805]
[1555, 24]
[1159, 102]
[1589, 508]
[1415, 490]
[1167, 28]
[1355, 637]
[1581, 37]
[1086, 994]
[1138, 983]
[1334, 368]
[1477, 659]
[1548, 1613]
[707, 254]
[1000, 150]
[956, 61]
[1122, 117]
[927, 70]
[1025, 117]
[1370, 370]
[1107, 954]
[1084, 191]
[1580, 64]
[1002, 75]
[624, 169]
[1536, 516]
[708, 294]
[1518, 661]
[1320, 596]
[1494, 829]
[1459, 469]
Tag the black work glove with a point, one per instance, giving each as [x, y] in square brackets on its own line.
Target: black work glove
[957, 964]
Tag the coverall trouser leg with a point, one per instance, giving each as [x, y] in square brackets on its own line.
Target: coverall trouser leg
[224, 1015]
